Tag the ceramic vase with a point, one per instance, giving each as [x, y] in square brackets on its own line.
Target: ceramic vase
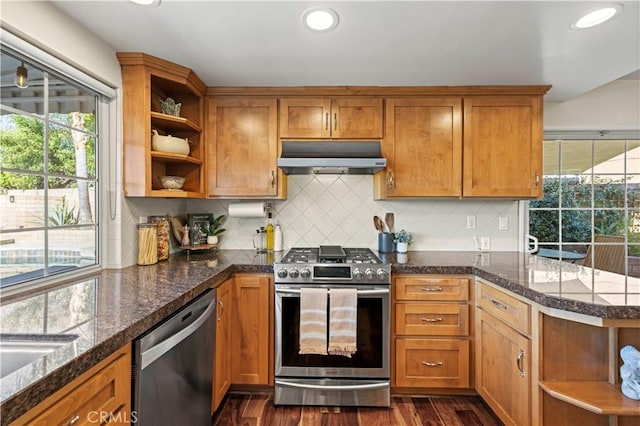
[212, 239]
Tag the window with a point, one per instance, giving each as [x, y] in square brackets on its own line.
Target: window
[48, 172]
[590, 213]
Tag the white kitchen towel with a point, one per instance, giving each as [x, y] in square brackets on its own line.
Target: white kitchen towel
[313, 321]
[343, 321]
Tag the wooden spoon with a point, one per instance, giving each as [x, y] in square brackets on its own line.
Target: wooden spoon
[389, 219]
[377, 222]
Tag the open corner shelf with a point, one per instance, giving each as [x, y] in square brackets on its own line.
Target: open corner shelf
[598, 397]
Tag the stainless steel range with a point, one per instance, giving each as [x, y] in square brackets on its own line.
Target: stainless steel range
[335, 380]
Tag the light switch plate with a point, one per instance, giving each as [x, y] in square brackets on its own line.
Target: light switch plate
[471, 222]
[503, 223]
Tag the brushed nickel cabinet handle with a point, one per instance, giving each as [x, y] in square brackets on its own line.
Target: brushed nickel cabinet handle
[273, 178]
[335, 121]
[519, 362]
[536, 181]
[499, 305]
[74, 420]
[326, 121]
[390, 182]
[431, 289]
[432, 364]
[437, 319]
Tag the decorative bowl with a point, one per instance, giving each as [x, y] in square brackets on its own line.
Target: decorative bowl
[169, 144]
[172, 182]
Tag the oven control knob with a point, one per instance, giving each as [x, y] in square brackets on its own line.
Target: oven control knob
[305, 273]
[282, 273]
[382, 274]
[294, 273]
[358, 274]
[370, 274]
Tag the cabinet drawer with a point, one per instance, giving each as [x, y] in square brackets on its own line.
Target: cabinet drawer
[432, 288]
[102, 394]
[505, 307]
[435, 363]
[432, 320]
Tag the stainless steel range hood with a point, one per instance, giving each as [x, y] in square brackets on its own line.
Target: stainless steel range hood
[331, 157]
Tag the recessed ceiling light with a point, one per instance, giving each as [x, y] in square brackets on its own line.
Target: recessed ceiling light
[146, 2]
[320, 18]
[597, 17]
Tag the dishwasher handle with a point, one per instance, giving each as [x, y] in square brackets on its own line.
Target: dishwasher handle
[155, 352]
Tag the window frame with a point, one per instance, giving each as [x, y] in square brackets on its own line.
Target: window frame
[104, 95]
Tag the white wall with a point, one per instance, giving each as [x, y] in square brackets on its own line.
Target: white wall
[614, 106]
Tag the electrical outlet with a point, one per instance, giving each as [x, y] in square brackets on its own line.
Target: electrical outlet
[142, 219]
[471, 222]
[503, 223]
[485, 243]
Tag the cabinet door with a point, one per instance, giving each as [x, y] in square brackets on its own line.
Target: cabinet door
[353, 118]
[503, 369]
[305, 118]
[503, 146]
[243, 147]
[222, 370]
[252, 330]
[423, 147]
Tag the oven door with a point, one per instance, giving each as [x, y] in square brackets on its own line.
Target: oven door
[371, 359]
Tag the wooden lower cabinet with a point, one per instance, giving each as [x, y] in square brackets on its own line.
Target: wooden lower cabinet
[252, 329]
[503, 373]
[431, 332]
[222, 360]
[99, 396]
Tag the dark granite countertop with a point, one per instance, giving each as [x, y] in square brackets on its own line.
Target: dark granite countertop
[110, 309]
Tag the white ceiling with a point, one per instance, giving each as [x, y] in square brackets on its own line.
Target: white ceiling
[239, 43]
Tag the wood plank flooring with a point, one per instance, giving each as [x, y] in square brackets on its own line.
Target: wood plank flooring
[258, 410]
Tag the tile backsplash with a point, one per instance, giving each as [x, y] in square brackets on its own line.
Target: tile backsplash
[339, 209]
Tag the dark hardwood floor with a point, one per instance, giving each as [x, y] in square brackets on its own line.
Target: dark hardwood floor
[258, 410]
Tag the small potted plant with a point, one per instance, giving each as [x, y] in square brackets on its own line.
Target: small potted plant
[403, 239]
[215, 229]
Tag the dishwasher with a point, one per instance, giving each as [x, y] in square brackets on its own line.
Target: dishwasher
[173, 367]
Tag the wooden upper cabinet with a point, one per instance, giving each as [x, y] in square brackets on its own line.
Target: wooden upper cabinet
[423, 147]
[324, 118]
[146, 82]
[242, 139]
[503, 146]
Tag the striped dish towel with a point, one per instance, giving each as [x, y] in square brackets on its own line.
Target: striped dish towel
[313, 321]
[343, 321]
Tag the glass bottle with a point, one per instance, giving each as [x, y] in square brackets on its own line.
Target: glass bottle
[269, 231]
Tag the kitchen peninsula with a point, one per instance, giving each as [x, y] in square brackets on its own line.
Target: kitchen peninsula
[129, 301]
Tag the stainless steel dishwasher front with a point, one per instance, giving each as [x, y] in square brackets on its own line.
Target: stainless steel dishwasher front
[173, 367]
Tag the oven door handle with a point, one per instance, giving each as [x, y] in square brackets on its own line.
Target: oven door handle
[333, 387]
[360, 292]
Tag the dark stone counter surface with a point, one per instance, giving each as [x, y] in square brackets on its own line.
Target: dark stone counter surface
[111, 308]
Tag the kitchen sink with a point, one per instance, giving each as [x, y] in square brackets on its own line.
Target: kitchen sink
[18, 350]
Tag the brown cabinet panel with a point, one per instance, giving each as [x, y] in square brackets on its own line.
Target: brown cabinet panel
[512, 311]
[424, 288]
[324, 118]
[503, 369]
[423, 147]
[243, 148]
[252, 330]
[222, 357]
[104, 390]
[432, 319]
[437, 363]
[503, 146]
